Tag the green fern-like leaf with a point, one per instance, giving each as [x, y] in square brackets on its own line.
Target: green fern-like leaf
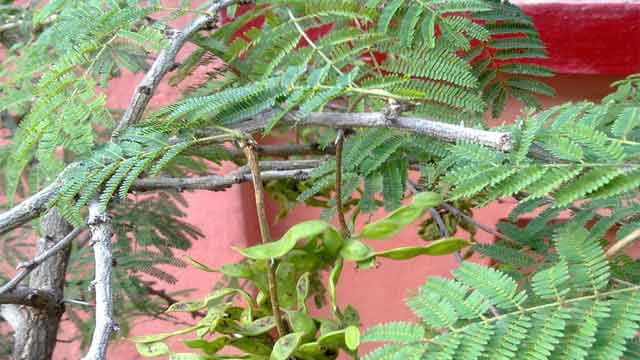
[402, 332]
[571, 312]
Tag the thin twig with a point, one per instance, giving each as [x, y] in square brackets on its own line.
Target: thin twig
[311, 43]
[450, 208]
[28, 266]
[76, 302]
[623, 243]
[170, 300]
[620, 281]
[248, 146]
[270, 170]
[445, 233]
[285, 150]
[339, 145]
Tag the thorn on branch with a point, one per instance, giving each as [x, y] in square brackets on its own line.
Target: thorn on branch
[99, 219]
[212, 23]
[393, 110]
[92, 286]
[145, 90]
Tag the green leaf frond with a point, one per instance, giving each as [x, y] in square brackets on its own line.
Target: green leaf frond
[79, 50]
[572, 312]
[567, 153]
[111, 170]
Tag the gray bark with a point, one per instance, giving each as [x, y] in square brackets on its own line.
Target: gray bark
[448, 132]
[27, 267]
[216, 182]
[24, 295]
[101, 232]
[27, 210]
[36, 337]
[502, 141]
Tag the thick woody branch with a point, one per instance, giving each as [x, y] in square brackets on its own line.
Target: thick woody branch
[497, 140]
[33, 206]
[27, 267]
[24, 295]
[99, 220]
[164, 63]
[29, 209]
[448, 132]
[14, 315]
[501, 141]
[101, 232]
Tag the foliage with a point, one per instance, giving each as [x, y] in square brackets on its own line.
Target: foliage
[341, 64]
[300, 255]
[570, 309]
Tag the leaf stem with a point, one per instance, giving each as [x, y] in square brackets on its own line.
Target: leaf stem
[557, 303]
[311, 43]
[249, 147]
[344, 229]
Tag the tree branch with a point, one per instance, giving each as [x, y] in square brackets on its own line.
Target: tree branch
[297, 170]
[29, 266]
[450, 208]
[501, 141]
[18, 23]
[29, 209]
[15, 316]
[101, 232]
[623, 243]
[497, 140]
[164, 63]
[35, 205]
[24, 295]
[249, 149]
[444, 232]
[99, 220]
[284, 150]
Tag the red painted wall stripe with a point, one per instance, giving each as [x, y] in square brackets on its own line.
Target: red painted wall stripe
[597, 37]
